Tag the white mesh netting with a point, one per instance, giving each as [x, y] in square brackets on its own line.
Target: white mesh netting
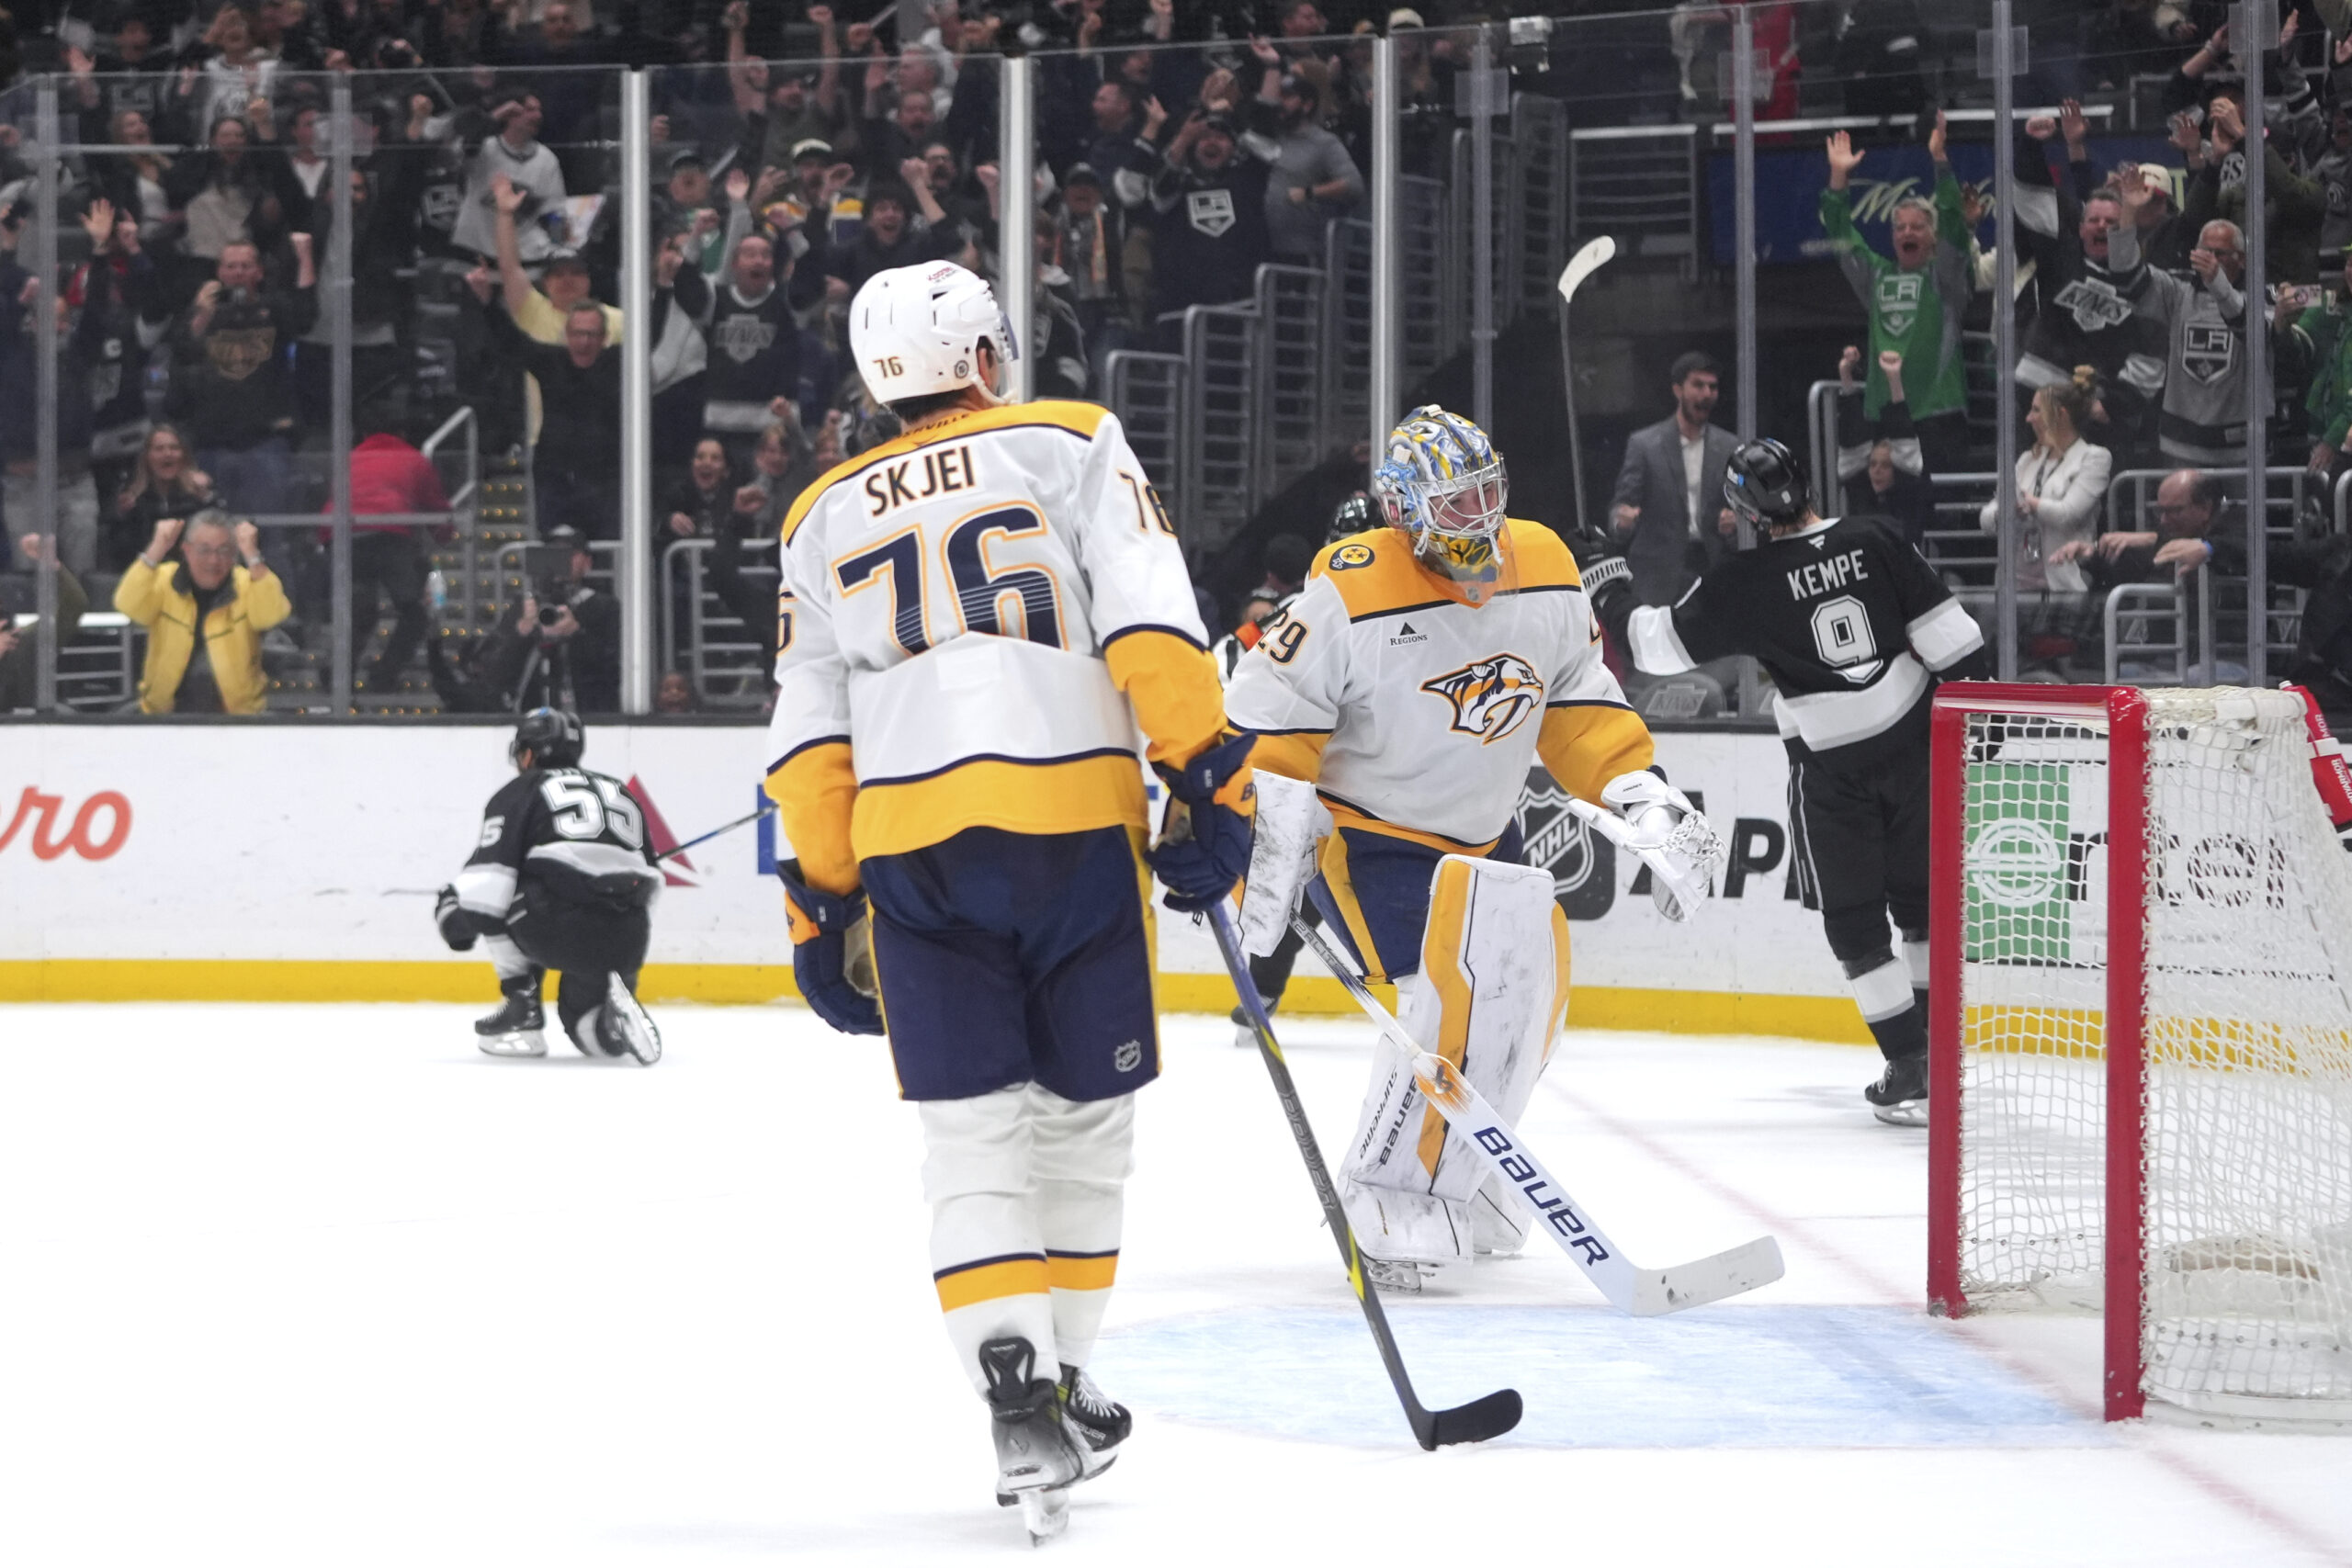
[2246, 1248]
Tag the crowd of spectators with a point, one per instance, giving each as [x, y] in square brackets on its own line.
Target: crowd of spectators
[797, 150]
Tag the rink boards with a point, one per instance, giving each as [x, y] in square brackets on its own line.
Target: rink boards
[241, 861]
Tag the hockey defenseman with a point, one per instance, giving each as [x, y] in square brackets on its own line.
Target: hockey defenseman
[1427, 664]
[1855, 630]
[559, 879]
[976, 618]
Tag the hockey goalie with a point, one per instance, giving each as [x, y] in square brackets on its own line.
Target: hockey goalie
[1412, 683]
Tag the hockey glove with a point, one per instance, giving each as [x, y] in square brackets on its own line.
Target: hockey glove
[457, 925]
[832, 952]
[1204, 846]
[1608, 582]
[1677, 843]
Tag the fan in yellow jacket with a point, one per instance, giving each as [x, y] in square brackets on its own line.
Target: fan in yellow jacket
[216, 669]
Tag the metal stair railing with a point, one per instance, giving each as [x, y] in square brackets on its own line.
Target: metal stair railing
[1220, 345]
[1289, 381]
[1148, 392]
[1639, 184]
[1536, 198]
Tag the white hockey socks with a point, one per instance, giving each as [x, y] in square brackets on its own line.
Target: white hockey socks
[1026, 1194]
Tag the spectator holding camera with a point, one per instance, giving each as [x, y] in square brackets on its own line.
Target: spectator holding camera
[231, 390]
[565, 643]
[205, 605]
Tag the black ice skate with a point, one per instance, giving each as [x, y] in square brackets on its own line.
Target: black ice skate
[515, 1028]
[1097, 1424]
[1245, 1033]
[624, 1029]
[1899, 1098]
[1036, 1458]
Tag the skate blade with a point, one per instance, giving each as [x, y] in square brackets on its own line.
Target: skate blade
[642, 1041]
[519, 1042]
[1908, 1113]
[1044, 1513]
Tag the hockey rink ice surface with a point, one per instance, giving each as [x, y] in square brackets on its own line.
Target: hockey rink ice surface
[322, 1285]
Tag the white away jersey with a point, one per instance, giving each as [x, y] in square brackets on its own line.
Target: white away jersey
[1433, 709]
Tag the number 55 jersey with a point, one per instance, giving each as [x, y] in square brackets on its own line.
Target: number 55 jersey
[967, 614]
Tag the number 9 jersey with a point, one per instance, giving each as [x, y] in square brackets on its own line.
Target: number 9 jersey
[974, 618]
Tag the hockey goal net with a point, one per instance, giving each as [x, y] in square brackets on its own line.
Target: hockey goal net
[2141, 1066]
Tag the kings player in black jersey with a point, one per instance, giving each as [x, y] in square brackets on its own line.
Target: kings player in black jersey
[559, 879]
[1855, 630]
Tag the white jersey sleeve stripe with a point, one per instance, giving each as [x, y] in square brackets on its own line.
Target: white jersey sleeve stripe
[1944, 635]
[1657, 646]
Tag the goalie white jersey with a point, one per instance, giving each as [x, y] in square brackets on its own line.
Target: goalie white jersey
[988, 606]
[1417, 714]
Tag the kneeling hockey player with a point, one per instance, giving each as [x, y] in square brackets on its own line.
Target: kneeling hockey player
[559, 879]
[976, 618]
[1424, 666]
[1855, 630]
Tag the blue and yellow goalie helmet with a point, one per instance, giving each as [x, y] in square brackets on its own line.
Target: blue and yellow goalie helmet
[1441, 483]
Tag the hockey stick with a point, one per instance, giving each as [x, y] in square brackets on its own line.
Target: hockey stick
[1473, 1423]
[1644, 1292]
[1688, 885]
[1581, 266]
[767, 811]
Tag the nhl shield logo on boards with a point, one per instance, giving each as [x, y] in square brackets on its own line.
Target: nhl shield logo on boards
[1491, 697]
[1583, 866]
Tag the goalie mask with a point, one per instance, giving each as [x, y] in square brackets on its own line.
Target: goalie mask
[1440, 483]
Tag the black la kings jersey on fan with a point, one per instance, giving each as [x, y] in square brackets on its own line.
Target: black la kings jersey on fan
[578, 835]
[1848, 618]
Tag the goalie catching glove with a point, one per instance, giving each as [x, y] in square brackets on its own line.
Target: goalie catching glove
[832, 952]
[1674, 838]
[1204, 846]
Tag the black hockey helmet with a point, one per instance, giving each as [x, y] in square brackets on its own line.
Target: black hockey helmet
[1766, 484]
[1355, 516]
[551, 736]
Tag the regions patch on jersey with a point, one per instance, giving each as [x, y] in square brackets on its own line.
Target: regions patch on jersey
[1491, 697]
[1347, 557]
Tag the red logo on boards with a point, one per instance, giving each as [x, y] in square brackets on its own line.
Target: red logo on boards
[81, 835]
[660, 840]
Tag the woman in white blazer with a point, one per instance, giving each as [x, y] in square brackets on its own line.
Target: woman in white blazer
[2061, 486]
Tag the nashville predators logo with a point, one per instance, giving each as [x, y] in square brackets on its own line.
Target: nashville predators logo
[1491, 697]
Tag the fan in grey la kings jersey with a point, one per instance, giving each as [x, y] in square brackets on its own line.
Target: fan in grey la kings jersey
[1848, 618]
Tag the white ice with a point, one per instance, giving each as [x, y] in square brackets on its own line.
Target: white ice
[321, 1285]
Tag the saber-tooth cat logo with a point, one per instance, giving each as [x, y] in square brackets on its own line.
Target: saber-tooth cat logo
[1491, 697]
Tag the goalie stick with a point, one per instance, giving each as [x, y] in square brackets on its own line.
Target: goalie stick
[1473, 1423]
[1642, 1293]
[1581, 266]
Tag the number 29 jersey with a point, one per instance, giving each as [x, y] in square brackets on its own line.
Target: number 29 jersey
[973, 620]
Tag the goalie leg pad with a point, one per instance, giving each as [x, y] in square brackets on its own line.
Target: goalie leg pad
[1490, 998]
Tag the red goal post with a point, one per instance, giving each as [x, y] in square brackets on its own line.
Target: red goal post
[2141, 1042]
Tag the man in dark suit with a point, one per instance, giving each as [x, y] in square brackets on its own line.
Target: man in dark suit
[1668, 508]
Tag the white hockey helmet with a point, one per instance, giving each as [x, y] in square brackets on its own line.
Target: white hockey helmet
[916, 331]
